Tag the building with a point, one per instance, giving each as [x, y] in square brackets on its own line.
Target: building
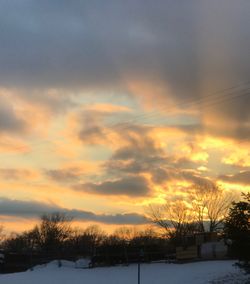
[202, 246]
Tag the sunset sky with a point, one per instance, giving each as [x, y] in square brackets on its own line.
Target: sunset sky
[108, 106]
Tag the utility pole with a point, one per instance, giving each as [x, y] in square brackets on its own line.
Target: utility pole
[141, 254]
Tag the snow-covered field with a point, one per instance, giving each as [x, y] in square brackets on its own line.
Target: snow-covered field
[161, 273]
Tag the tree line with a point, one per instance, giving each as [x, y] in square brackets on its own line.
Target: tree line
[210, 210]
[55, 238]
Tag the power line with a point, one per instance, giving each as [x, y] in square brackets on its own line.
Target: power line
[184, 103]
[201, 102]
[206, 101]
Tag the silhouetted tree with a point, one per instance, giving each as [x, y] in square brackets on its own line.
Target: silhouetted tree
[20, 243]
[53, 231]
[126, 233]
[237, 228]
[85, 242]
[176, 219]
[210, 205]
[206, 211]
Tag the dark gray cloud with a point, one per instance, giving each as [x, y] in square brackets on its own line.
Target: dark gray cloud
[239, 131]
[53, 44]
[90, 43]
[134, 186]
[56, 100]
[33, 209]
[196, 179]
[188, 49]
[63, 175]
[242, 178]
[91, 126]
[138, 163]
[162, 168]
[9, 120]
[96, 126]
[143, 155]
[140, 143]
[222, 126]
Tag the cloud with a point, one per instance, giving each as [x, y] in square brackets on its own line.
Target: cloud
[133, 186]
[140, 150]
[9, 119]
[64, 175]
[144, 153]
[194, 178]
[106, 108]
[15, 174]
[53, 100]
[239, 178]
[92, 128]
[106, 44]
[34, 209]
[177, 50]
[56, 55]
[96, 44]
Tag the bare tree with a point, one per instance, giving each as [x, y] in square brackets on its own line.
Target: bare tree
[206, 211]
[54, 229]
[93, 235]
[211, 205]
[149, 232]
[157, 214]
[126, 233]
[176, 219]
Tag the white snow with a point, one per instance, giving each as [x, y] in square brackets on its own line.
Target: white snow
[82, 263]
[161, 273]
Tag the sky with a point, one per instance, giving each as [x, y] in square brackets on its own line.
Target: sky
[109, 106]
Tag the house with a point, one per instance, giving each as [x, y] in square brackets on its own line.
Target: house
[202, 246]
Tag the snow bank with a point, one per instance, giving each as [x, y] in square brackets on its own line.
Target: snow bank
[82, 263]
[55, 264]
